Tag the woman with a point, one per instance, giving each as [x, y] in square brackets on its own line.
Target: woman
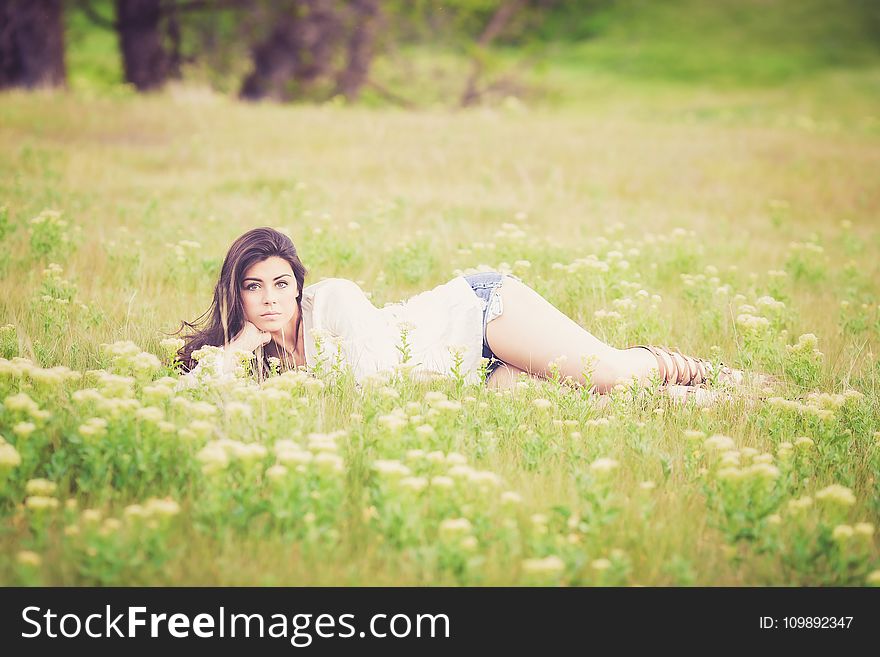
[261, 305]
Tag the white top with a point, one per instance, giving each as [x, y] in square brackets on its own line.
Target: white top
[337, 312]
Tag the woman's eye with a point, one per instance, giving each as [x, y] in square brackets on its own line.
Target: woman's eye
[282, 282]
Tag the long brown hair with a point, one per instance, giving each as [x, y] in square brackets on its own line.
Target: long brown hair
[226, 314]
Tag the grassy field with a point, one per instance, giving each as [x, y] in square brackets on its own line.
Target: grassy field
[750, 210]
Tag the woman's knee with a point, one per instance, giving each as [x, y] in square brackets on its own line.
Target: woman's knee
[502, 377]
[506, 376]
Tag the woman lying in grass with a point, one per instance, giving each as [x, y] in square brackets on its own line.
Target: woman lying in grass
[262, 305]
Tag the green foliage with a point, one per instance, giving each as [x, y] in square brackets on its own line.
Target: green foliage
[727, 42]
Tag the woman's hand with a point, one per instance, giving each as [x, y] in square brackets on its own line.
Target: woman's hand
[250, 337]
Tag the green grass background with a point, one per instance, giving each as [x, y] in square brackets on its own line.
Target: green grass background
[750, 125]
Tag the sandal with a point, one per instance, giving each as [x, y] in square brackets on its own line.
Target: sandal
[696, 371]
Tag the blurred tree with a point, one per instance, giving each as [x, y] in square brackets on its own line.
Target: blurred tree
[504, 12]
[145, 60]
[298, 49]
[150, 34]
[478, 27]
[298, 52]
[31, 44]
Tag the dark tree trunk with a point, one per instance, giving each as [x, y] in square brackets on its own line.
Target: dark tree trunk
[274, 63]
[297, 52]
[31, 44]
[366, 17]
[140, 40]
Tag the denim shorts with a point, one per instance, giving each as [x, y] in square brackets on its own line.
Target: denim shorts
[485, 285]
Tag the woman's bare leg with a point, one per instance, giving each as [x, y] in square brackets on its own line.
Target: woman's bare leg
[506, 376]
[531, 332]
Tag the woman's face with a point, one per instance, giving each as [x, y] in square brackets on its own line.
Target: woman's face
[270, 287]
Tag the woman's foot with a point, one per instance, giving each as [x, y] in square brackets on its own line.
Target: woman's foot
[677, 369]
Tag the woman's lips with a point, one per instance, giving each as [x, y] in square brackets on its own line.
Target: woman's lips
[271, 315]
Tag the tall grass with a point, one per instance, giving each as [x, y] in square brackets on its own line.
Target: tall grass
[731, 223]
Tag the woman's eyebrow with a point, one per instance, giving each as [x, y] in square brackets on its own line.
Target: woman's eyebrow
[260, 280]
